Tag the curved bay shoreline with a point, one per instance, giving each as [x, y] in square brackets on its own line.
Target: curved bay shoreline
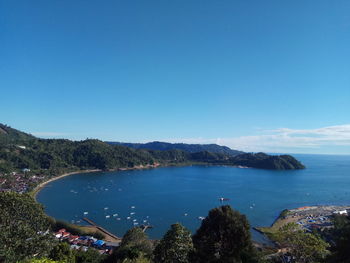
[293, 214]
[110, 237]
[40, 186]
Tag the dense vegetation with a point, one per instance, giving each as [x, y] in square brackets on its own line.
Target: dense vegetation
[340, 236]
[23, 228]
[190, 148]
[19, 150]
[176, 246]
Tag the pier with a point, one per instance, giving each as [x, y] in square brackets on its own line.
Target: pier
[100, 228]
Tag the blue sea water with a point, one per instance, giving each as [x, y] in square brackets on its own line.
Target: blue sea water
[163, 196]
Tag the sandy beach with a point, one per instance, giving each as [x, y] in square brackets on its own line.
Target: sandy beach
[43, 184]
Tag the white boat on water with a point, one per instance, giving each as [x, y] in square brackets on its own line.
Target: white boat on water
[108, 216]
[85, 213]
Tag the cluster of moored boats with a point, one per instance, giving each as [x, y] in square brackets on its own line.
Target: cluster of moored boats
[144, 221]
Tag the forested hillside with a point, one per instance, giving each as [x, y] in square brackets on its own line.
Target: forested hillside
[191, 148]
[19, 150]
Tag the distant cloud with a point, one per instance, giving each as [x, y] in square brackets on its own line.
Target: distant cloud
[285, 139]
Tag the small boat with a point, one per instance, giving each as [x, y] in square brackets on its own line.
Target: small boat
[108, 216]
[185, 214]
[221, 199]
[128, 218]
[85, 213]
[201, 217]
[106, 208]
[132, 213]
[118, 218]
[133, 207]
[134, 220]
[115, 215]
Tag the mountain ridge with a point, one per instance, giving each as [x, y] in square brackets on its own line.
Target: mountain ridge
[51, 157]
[191, 148]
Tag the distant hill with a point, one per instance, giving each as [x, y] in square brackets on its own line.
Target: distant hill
[190, 148]
[50, 157]
[9, 135]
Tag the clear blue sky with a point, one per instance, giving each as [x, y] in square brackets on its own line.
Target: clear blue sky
[232, 72]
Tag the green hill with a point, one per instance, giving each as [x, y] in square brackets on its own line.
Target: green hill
[19, 150]
[191, 148]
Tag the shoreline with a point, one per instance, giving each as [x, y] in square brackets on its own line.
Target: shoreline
[307, 217]
[91, 228]
[43, 184]
[40, 186]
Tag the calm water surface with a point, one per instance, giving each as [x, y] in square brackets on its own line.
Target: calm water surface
[163, 196]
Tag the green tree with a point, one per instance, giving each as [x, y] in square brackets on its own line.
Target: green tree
[175, 247]
[89, 256]
[135, 244]
[23, 228]
[42, 260]
[224, 236]
[305, 247]
[62, 252]
[139, 259]
[341, 236]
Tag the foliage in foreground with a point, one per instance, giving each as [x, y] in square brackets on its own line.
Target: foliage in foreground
[176, 246]
[24, 228]
[135, 246]
[341, 236]
[224, 236]
[305, 247]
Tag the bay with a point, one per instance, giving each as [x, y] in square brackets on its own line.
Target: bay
[164, 196]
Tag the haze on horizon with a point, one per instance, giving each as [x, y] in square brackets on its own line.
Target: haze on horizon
[254, 75]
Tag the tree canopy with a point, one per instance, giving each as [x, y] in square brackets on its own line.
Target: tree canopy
[341, 237]
[224, 236]
[23, 228]
[135, 245]
[304, 247]
[175, 247]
